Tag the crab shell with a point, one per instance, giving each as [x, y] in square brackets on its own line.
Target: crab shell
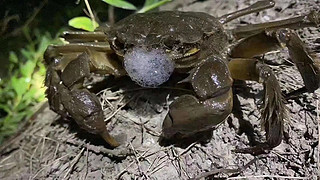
[195, 43]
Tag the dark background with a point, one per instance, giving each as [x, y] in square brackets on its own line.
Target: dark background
[43, 16]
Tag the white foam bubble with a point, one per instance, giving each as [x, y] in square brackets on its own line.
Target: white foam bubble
[148, 68]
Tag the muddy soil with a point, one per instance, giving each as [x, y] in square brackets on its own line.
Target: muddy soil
[53, 148]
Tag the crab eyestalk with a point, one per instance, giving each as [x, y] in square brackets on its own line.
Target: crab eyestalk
[148, 67]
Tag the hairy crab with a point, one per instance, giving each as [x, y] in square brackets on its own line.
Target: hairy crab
[150, 47]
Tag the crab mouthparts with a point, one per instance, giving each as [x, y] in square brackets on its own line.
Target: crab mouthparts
[148, 67]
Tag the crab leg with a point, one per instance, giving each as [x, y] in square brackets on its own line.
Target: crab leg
[66, 94]
[266, 41]
[274, 109]
[81, 36]
[310, 20]
[210, 106]
[99, 52]
[256, 7]
[255, 45]
[80, 47]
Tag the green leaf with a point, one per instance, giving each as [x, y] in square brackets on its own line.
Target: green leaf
[43, 44]
[28, 54]
[155, 4]
[13, 57]
[23, 105]
[33, 95]
[5, 107]
[149, 2]
[20, 85]
[120, 4]
[28, 68]
[84, 23]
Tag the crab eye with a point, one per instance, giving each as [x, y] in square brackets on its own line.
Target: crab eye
[116, 44]
[171, 43]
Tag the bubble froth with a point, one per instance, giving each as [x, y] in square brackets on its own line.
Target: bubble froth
[148, 68]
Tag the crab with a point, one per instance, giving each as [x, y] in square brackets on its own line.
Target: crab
[151, 47]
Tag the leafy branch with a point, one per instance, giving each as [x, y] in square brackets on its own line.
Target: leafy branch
[24, 88]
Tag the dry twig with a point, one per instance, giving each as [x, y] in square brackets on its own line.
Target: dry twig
[113, 153]
[86, 172]
[268, 176]
[227, 171]
[318, 120]
[73, 163]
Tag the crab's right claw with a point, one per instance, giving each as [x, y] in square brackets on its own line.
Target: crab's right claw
[84, 107]
[67, 97]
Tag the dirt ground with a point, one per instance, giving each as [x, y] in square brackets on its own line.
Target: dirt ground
[52, 148]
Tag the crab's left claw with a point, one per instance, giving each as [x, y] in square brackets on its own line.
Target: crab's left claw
[212, 104]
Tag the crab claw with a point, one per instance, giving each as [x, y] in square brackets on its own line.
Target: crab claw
[67, 97]
[188, 115]
[84, 107]
[212, 104]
